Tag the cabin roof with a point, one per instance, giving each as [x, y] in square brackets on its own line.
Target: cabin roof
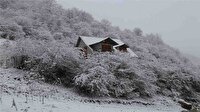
[118, 41]
[91, 40]
[132, 54]
[94, 40]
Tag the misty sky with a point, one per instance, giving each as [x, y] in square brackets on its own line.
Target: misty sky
[177, 21]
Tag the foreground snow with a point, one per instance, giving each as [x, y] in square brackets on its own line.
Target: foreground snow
[32, 96]
[53, 105]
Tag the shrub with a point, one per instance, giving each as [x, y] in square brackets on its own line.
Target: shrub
[60, 67]
[95, 81]
[110, 75]
[55, 61]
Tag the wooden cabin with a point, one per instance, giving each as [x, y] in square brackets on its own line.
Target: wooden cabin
[93, 44]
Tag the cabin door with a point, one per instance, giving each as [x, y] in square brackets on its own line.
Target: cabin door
[106, 47]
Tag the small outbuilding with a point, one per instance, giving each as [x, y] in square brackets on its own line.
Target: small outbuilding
[91, 44]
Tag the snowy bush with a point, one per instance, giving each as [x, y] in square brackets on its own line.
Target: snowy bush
[110, 75]
[55, 61]
[10, 30]
[5, 54]
[59, 64]
[96, 81]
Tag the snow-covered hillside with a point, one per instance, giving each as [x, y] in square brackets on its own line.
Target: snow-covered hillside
[35, 96]
[39, 36]
[45, 34]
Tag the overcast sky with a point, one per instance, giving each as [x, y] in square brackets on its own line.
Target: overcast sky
[177, 21]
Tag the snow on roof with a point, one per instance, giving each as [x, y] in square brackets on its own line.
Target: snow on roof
[118, 41]
[91, 40]
[119, 45]
[94, 40]
[131, 53]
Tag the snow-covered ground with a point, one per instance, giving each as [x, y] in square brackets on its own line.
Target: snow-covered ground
[35, 96]
[52, 105]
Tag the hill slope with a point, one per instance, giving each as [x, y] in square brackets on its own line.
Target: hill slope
[42, 36]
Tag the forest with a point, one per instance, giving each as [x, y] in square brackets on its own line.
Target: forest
[39, 36]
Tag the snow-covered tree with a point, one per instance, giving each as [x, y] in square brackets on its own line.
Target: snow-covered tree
[138, 31]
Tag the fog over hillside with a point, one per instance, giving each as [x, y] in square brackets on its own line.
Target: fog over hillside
[195, 60]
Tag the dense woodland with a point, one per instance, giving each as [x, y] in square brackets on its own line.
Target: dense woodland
[41, 36]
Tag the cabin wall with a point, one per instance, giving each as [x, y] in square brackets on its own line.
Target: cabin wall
[89, 51]
[104, 46]
[83, 45]
[107, 47]
[97, 47]
[121, 48]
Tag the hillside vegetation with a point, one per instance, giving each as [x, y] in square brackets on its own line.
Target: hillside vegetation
[40, 37]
